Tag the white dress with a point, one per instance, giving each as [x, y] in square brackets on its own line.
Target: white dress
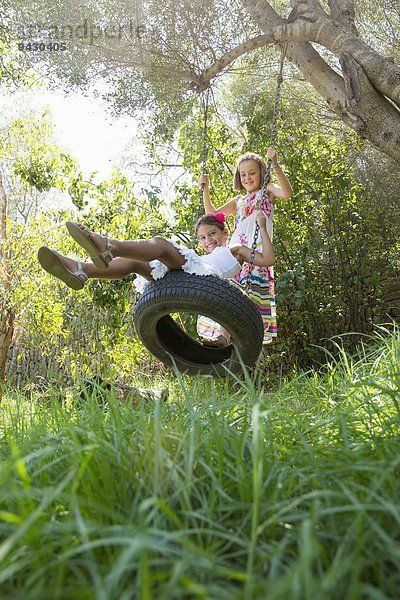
[220, 263]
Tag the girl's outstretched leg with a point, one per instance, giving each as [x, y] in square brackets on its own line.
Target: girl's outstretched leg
[75, 274]
[118, 268]
[102, 249]
[146, 250]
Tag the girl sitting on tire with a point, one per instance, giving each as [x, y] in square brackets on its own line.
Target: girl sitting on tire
[153, 258]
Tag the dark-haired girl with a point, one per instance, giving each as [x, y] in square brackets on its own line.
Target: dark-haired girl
[153, 258]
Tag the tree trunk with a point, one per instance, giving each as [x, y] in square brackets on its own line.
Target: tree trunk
[366, 94]
[6, 334]
[7, 313]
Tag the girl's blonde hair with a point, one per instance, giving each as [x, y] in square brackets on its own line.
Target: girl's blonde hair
[237, 185]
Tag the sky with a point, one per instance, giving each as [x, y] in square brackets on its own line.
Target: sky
[84, 127]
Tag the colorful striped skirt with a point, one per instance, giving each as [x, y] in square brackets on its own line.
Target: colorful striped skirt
[261, 291]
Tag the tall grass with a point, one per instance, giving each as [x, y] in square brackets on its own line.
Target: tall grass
[227, 491]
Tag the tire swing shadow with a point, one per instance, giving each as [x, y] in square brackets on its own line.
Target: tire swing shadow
[233, 367]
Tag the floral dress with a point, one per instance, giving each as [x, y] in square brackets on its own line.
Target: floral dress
[261, 288]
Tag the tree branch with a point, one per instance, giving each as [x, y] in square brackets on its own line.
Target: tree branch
[342, 11]
[261, 10]
[309, 23]
[353, 97]
[203, 81]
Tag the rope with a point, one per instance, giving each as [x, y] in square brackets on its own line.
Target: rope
[205, 103]
[274, 126]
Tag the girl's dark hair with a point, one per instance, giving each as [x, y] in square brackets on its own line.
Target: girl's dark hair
[209, 220]
[237, 184]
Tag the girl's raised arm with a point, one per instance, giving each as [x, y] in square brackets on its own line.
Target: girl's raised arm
[229, 208]
[284, 189]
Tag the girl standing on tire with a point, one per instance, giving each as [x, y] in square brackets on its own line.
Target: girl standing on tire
[249, 177]
[153, 258]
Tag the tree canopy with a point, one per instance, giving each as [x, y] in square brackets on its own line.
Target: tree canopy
[156, 53]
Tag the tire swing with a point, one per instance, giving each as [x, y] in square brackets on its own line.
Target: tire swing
[222, 301]
[179, 292]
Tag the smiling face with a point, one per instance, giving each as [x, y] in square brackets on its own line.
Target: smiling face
[250, 175]
[211, 236]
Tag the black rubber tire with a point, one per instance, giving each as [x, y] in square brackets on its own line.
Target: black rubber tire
[179, 292]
